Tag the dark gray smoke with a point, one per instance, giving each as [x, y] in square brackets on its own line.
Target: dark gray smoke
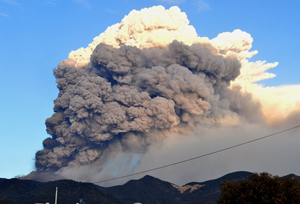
[135, 97]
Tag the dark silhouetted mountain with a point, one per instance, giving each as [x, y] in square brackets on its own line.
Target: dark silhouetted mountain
[15, 188]
[293, 176]
[5, 201]
[147, 190]
[29, 192]
[209, 191]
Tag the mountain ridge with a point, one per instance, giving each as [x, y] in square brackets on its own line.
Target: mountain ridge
[146, 190]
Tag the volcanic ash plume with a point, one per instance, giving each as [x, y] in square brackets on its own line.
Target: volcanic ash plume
[140, 81]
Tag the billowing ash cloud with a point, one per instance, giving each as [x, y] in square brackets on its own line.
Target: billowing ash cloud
[142, 80]
[140, 90]
[149, 93]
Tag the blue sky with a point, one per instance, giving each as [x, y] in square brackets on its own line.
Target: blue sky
[36, 35]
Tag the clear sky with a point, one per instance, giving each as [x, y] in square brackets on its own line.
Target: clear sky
[36, 35]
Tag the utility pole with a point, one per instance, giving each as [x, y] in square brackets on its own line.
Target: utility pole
[56, 195]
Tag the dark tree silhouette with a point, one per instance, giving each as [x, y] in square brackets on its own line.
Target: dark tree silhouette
[261, 188]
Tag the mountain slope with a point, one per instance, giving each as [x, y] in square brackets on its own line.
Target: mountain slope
[28, 192]
[145, 190]
[148, 190]
[209, 191]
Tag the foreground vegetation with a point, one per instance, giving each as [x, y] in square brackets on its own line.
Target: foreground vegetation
[261, 189]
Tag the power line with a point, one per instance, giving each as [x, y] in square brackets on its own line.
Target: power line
[197, 157]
